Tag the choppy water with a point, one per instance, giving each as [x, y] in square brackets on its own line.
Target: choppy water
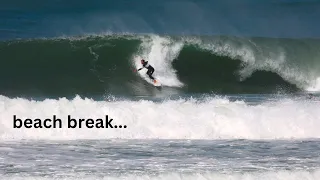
[161, 159]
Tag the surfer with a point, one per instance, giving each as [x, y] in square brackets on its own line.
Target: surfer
[150, 71]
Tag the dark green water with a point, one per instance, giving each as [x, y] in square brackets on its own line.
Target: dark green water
[101, 65]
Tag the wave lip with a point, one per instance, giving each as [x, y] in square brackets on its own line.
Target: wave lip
[173, 119]
[315, 86]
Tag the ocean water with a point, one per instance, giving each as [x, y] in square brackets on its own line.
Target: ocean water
[240, 95]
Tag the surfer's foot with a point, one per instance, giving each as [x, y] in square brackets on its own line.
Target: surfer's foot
[154, 81]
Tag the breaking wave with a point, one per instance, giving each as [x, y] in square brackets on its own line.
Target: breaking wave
[99, 65]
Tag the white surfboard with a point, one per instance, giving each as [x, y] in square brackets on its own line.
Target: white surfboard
[157, 83]
[147, 78]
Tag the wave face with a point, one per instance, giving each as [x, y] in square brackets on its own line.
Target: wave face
[99, 65]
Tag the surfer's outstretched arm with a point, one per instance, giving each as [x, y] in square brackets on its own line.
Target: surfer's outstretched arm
[138, 69]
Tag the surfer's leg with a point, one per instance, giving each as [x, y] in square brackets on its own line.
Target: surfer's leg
[151, 76]
[149, 72]
[152, 71]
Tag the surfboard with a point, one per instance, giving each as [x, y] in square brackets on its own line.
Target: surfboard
[157, 83]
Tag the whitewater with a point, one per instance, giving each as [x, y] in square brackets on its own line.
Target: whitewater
[210, 118]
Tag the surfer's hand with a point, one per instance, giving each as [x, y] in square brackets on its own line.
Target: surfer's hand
[134, 70]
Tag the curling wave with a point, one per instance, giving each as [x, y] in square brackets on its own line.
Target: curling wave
[98, 65]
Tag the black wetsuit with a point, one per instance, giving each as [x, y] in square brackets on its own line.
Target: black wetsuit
[150, 69]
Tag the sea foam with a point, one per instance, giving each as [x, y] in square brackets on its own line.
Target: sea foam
[214, 118]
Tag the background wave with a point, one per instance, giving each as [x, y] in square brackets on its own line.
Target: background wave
[79, 17]
[99, 65]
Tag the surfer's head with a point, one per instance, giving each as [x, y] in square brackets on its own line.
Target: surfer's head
[142, 61]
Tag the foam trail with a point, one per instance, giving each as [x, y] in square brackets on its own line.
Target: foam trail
[160, 52]
[315, 86]
[172, 119]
